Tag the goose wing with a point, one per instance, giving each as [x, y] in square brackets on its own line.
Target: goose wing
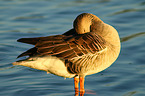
[63, 46]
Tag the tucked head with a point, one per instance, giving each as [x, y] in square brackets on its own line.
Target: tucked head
[85, 22]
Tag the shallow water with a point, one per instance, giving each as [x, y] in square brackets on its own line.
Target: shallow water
[33, 18]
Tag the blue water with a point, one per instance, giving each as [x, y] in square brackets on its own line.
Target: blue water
[34, 18]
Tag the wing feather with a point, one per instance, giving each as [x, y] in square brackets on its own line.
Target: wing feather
[65, 47]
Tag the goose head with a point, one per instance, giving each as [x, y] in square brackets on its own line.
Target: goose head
[87, 22]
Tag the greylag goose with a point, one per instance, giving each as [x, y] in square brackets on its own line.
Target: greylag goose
[88, 48]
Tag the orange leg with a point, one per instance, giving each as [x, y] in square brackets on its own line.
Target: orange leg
[76, 82]
[82, 90]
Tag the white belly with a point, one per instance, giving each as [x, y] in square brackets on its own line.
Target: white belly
[47, 63]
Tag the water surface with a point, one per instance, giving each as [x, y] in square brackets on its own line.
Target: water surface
[34, 18]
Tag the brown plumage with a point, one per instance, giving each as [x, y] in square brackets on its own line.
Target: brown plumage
[89, 47]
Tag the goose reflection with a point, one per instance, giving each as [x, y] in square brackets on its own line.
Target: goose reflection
[88, 48]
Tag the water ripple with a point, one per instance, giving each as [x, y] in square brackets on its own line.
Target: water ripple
[35, 18]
